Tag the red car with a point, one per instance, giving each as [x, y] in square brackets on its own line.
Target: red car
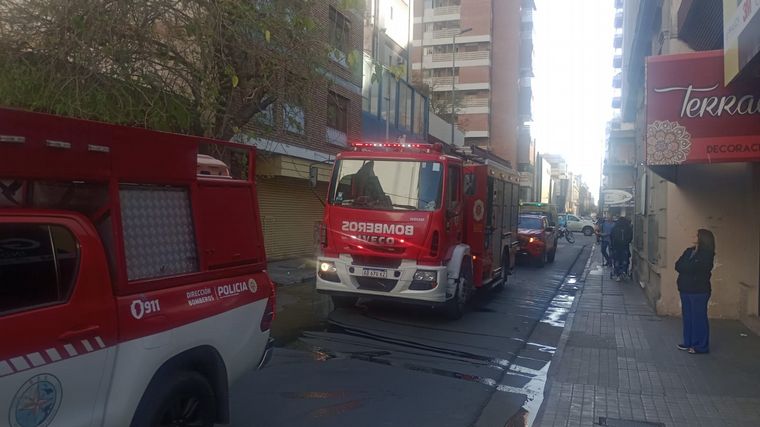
[537, 239]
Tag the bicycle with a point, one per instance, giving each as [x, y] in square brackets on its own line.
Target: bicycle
[567, 234]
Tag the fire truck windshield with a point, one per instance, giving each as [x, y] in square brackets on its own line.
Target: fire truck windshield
[387, 184]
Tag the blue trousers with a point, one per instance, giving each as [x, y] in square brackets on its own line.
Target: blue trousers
[696, 327]
[605, 251]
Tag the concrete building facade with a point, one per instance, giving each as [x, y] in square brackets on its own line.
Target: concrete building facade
[469, 51]
[673, 200]
[299, 138]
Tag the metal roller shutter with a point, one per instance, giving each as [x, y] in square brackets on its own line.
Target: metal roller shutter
[290, 209]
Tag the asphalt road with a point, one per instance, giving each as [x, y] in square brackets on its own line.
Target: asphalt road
[382, 364]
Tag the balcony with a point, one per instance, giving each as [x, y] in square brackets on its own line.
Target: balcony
[446, 33]
[619, 19]
[446, 10]
[617, 62]
[617, 42]
[474, 102]
[617, 81]
[616, 102]
[618, 4]
[462, 56]
[435, 82]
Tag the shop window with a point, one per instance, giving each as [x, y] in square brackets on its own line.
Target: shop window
[38, 266]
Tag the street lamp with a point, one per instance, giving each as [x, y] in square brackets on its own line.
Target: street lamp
[453, 70]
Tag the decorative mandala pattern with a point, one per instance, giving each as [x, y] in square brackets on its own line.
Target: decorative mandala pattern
[668, 143]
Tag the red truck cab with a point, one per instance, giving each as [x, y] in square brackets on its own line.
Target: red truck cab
[399, 222]
[129, 284]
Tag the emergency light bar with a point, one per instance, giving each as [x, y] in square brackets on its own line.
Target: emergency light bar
[396, 146]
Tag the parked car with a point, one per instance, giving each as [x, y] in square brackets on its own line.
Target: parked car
[577, 225]
[537, 239]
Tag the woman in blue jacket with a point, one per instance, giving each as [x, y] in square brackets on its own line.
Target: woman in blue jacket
[694, 271]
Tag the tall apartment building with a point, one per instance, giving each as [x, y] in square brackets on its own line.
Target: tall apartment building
[619, 169]
[470, 51]
[693, 103]
[298, 139]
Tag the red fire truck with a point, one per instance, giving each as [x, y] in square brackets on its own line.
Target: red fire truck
[133, 287]
[409, 222]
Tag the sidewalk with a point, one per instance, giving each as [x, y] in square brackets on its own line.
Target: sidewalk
[617, 365]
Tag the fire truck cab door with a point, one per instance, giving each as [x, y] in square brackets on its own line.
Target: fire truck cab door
[57, 321]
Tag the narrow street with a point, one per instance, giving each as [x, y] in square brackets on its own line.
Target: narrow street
[389, 364]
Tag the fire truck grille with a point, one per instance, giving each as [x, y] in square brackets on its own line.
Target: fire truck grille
[375, 284]
[381, 262]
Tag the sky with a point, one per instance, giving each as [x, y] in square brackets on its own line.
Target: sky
[572, 87]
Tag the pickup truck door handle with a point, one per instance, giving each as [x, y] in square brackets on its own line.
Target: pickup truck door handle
[78, 333]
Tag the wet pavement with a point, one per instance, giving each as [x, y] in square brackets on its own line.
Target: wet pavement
[380, 364]
[617, 364]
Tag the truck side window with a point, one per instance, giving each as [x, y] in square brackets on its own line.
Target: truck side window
[38, 265]
[452, 187]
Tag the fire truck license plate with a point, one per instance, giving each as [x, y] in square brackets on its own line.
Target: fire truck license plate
[372, 272]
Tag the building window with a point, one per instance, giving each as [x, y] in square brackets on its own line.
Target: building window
[266, 116]
[339, 31]
[337, 112]
[294, 119]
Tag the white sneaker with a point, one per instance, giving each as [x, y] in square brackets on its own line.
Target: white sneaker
[618, 279]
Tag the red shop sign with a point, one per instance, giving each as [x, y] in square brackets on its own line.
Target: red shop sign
[693, 118]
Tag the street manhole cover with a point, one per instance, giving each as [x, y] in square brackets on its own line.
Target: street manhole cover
[615, 422]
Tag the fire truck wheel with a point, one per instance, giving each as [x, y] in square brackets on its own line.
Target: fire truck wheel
[340, 301]
[187, 399]
[504, 276]
[456, 305]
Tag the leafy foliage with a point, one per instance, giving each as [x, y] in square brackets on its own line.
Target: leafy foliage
[196, 66]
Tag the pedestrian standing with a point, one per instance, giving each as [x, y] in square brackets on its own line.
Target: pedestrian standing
[694, 269]
[621, 237]
[605, 228]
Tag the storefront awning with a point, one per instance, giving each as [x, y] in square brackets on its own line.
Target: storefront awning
[693, 118]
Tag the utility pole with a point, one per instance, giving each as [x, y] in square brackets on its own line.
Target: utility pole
[453, 80]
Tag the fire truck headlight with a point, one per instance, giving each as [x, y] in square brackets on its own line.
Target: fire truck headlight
[327, 267]
[327, 271]
[425, 276]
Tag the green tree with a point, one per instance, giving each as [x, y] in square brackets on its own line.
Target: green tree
[205, 67]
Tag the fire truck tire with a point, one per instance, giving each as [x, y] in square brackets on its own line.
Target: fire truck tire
[341, 301]
[504, 275]
[184, 399]
[456, 305]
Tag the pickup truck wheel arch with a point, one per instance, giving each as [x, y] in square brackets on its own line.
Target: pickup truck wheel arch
[204, 360]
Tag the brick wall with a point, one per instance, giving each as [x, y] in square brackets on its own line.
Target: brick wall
[314, 135]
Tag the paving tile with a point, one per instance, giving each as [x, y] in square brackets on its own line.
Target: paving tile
[620, 361]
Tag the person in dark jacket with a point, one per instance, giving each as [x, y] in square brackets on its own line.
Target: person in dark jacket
[621, 236]
[694, 269]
